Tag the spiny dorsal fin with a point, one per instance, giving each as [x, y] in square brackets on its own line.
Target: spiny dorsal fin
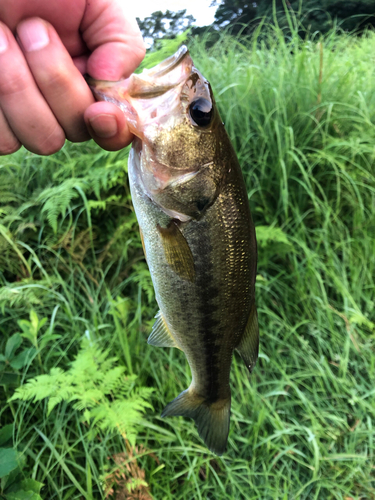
[177, 251]
[249, 344]
[161, 335]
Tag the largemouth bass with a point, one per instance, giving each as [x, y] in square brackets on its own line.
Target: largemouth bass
[198, 237]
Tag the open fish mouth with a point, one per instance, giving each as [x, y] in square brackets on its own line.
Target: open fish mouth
[169, 64]
[150, 83]
[151, 96]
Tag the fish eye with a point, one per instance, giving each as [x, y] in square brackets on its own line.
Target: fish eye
[201, 112]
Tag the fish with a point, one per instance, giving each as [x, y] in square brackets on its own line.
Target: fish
[197, 232]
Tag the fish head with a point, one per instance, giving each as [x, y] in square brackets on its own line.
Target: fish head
[171, 111]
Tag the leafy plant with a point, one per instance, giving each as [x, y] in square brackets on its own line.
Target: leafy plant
[31, 331]
[13, 485]
[97, 387]
[126, 481]
[271, 241]
[11, 360]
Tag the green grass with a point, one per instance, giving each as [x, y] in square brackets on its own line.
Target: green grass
[302, 425]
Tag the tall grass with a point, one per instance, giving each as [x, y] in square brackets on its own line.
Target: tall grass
[301, 117]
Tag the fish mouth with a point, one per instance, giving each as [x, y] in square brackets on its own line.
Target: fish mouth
[164, 76]
[170, 63]
[150, 83]
[142, 97]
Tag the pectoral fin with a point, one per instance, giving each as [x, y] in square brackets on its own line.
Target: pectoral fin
[161, 335]
[177, 251]
[249, 344]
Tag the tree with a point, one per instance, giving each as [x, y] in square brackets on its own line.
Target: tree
[236, 14]
[316, 15]
[351, 14]
[164, 25]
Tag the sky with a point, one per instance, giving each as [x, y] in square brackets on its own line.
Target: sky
[200, 9]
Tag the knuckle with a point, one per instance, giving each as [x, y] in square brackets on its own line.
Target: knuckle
[55, 76]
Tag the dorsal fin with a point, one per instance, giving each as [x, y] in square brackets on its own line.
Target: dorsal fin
[249, 343]
[160, 334]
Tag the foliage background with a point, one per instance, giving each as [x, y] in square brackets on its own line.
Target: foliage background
[242, 17]
[300, 113]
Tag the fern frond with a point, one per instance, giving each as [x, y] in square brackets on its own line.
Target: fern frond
[96, 386]
[30, 293]
[56, 199]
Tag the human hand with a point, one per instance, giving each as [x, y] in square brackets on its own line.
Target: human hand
[45, 48]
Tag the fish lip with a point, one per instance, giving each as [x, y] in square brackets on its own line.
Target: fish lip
[165, 76]
[170, 63]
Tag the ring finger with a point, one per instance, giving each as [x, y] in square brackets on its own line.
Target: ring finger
[8, 141]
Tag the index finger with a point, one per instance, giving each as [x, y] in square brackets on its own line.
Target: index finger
[114, 39]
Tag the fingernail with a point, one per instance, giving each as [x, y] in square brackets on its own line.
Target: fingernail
[104, 126]
[3, 40]
[33, 35]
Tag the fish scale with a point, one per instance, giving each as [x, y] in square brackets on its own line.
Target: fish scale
[199, 239]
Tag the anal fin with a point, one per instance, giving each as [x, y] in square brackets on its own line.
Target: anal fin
[160, 334]
[249, 343]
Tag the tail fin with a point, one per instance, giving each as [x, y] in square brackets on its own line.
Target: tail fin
[212, 419]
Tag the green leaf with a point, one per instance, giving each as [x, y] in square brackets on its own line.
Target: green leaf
[12, 345]
[24, 324]
[7, 378]
[271, 234]
[11, 482]
[23, 495]
[42, 322]
[34, 320]
[6, 433]
[31, 485]
[48, 338]
[8, 461]
[22, 358]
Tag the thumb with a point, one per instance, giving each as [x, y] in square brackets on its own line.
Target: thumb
[114, 40]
